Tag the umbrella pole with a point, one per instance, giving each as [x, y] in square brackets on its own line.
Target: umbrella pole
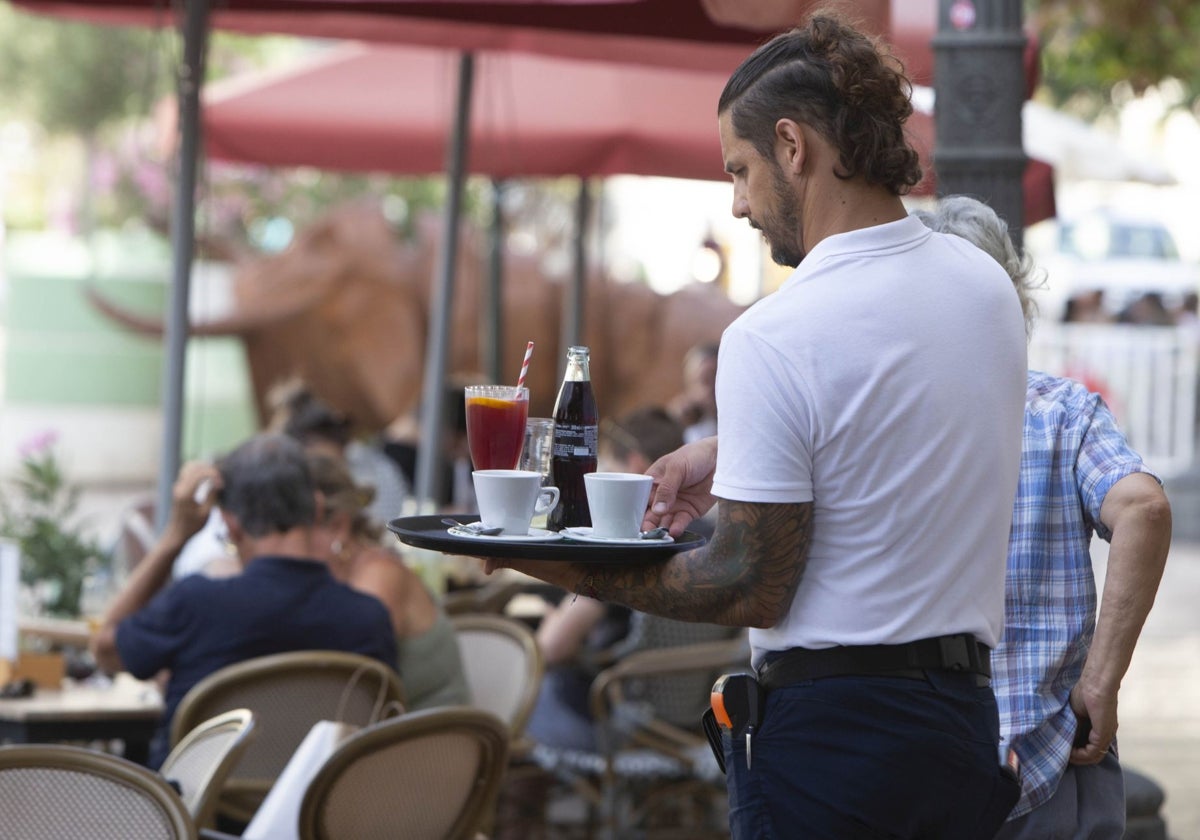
[492, 316]
[572, 322]
[430, 453]
[183, 240]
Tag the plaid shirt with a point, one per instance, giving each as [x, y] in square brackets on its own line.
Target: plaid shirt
[1072, 453]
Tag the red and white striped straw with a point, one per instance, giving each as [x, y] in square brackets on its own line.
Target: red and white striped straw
[525, 365]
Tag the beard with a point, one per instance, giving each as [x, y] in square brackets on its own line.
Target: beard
[781, 228]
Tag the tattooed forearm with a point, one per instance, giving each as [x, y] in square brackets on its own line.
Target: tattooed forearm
[746, 576]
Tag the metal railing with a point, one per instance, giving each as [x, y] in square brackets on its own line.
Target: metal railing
[1147, 375]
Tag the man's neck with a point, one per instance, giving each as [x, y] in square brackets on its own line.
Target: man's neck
[848, 206]
[294, 543]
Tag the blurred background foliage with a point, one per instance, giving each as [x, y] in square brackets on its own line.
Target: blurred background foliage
[1095, 51]
[89, 100]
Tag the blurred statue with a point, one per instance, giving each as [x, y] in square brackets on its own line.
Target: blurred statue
[346, 305]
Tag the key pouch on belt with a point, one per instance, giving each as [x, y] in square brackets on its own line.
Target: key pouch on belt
[736, 706]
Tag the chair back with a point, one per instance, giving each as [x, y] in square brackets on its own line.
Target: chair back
[490, 598]
[652, 761]
[503, 666]
[204, 758]
[288, 693]
[427, 775]
[678, 697]
[50, 792]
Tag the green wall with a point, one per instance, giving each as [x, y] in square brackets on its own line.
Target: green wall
[62, 352]
[59, 349]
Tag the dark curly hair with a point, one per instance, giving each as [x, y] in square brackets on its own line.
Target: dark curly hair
[838, 81]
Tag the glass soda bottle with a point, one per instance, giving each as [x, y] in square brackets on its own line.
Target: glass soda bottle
[576, 437]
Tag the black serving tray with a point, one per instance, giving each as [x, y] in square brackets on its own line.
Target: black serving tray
[430, 532]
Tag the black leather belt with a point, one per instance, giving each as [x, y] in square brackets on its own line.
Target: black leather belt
[960, 652]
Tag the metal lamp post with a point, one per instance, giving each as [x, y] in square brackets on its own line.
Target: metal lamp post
[980, 82]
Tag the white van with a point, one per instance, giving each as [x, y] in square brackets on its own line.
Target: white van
[1123, 257]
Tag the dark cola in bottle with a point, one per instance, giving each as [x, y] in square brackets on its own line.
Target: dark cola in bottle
[576, 437]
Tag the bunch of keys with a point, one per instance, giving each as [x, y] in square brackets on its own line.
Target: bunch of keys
[737, 705]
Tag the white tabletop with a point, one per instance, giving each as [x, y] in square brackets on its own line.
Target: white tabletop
[124, 698]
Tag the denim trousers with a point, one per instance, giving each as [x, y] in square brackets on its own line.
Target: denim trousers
[865, 757]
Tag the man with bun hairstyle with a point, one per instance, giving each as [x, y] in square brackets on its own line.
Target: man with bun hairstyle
[869, 417]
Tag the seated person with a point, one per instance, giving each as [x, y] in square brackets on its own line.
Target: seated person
[430, 664]
[696, 406]
[298, 412]
[453, 491]
[579, 627]
[284, 600]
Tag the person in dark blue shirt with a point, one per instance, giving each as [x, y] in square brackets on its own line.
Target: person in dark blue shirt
[284, 599]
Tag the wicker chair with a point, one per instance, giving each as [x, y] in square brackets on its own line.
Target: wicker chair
[503, 666]
[288, 693]
[653, 770]
[491, 598]
[203, 760]
[51, 792]
[427, 775]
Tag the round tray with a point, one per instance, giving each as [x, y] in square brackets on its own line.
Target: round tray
[430, 532]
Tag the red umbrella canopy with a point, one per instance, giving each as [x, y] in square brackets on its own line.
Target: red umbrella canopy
[388, 109]
[660, 32]
[365, 107]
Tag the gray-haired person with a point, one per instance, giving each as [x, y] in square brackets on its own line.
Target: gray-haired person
[283, 600]
[1057, 668]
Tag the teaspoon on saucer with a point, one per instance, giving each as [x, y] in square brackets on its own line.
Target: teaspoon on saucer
[472, 527]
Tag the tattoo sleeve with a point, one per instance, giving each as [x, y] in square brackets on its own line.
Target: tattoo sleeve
[745, 576]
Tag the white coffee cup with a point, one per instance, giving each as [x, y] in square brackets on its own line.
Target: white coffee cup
[617, 502]
[509, 499]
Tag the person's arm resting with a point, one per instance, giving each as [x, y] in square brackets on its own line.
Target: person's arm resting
[1138, 514]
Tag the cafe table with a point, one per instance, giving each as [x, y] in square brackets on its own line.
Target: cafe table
[126, 709]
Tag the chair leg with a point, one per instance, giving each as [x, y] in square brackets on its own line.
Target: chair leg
[521, 806]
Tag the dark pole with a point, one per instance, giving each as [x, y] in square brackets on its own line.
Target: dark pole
[183, 242]
[979, 76]
[492, 316]
[429, 454]
[572, 322]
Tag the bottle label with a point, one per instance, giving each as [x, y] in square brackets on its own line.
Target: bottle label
[573, 440]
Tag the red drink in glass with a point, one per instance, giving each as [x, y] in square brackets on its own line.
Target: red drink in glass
[496, 416]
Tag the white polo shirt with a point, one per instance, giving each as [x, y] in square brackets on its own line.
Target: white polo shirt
[885, 383]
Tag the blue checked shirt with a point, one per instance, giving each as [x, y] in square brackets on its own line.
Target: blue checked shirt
[1072, 454]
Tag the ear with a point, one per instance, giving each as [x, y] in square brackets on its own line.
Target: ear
[790, 146]
[233, 526]
[318, 507]
[340, 523]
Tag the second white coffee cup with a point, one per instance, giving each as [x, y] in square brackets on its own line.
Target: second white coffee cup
[509, 499]
[617, 502]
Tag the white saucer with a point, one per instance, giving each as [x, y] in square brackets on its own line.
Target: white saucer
[534, 535]
[584, 534]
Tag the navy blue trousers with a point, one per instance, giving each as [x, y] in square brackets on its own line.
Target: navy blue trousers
[872, 757]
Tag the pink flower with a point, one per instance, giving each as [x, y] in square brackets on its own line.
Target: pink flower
[37, 444]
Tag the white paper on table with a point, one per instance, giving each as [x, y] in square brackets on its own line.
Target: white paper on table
[278, 818]
[10, 585]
